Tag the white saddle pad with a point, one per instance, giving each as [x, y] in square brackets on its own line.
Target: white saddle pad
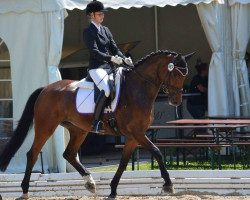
[85, 97]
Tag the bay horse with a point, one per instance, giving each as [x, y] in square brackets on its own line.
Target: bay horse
[55, 104]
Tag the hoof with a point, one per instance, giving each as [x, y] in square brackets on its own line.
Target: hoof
[24, 196]
[112, 196]
[90, 184]
[90, 187]
[169, 189]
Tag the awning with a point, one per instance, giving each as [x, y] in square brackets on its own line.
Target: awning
[20, 6]
[232, 2]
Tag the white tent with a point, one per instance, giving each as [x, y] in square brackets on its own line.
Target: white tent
[33, 32]
[34, 40]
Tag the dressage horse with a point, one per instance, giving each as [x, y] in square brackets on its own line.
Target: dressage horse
[55, 104]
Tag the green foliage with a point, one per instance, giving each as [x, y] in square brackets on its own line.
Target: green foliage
[191, 164]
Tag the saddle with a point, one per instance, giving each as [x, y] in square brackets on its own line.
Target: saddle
[85, 97]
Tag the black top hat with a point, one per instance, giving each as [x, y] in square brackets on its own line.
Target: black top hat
[95, 6]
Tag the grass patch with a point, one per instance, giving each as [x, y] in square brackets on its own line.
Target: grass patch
[191, 164]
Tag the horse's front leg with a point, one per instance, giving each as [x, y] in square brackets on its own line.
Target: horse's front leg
[129, 148]
[147, 144]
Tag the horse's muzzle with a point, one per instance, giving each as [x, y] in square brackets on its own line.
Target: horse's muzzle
[175, 100]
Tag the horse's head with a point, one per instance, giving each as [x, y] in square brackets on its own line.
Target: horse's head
[172, 75]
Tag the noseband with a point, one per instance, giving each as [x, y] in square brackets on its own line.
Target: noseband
[165, 89]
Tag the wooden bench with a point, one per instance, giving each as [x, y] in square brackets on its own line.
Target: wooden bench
[221, 135]
[211, 146]
[218, 127]
[190, 145]
[183, 140]
[203, 141]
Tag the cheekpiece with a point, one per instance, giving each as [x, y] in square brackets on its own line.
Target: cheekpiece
[170, 67]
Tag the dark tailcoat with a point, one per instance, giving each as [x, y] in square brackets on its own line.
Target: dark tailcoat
[99, 44]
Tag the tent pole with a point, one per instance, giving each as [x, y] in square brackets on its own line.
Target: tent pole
[156, 29]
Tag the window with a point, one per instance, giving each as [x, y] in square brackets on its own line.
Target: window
[6, 113]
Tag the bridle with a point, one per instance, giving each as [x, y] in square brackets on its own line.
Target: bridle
[166, 86]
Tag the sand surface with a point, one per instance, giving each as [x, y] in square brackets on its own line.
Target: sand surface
[175, 197]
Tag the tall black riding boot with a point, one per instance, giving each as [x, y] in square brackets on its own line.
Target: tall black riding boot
[99, 109]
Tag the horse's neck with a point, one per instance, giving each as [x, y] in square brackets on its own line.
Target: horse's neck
[143, 84]
[149, 70]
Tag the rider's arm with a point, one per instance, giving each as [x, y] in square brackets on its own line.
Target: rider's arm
[90, 42]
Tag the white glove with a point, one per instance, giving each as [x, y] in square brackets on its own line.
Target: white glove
[129, 62]
[117, 59]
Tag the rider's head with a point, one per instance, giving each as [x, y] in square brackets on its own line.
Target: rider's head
[95, 10]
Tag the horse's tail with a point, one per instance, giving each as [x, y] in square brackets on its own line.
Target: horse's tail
[20, 132]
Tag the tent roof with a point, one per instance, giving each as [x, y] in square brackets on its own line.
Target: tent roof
[20, 6]
[232, 2]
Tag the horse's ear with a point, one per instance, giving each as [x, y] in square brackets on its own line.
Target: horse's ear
[187, 57]
[177, 58]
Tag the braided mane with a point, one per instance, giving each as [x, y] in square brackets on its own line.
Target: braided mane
[153, 54]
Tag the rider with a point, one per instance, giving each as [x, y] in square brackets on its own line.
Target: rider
[99, 40]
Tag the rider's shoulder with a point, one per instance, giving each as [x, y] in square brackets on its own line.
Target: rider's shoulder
[89, 32]
[87, 29]
[106, 28]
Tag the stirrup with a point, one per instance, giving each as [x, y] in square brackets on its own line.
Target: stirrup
[97, 129]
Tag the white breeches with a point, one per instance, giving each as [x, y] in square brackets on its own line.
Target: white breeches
[100, 77]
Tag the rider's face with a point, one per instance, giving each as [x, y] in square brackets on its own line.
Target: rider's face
[97, 17]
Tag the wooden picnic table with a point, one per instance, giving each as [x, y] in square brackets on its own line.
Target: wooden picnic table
[228, 117]
[213, 125]
[233, 123]
[210, 121]
[219, 126]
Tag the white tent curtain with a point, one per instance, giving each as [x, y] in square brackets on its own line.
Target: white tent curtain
[26, 59]
[240, 14]
[210, 16]
[54, 23]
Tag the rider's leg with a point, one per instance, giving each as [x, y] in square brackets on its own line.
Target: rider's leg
[99, 109]
[100, 77]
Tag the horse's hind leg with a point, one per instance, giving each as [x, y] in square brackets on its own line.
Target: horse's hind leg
[77, 136]
[42, 134]
[147, 144]
[129, 148]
